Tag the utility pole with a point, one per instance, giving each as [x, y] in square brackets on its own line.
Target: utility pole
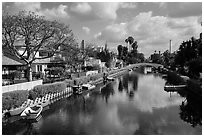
[170, 47]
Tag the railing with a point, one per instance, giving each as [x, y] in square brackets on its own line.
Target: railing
[21, 86]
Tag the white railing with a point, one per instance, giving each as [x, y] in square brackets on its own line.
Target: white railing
[21, 86]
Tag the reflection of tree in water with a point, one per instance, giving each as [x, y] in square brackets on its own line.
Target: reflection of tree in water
[123, 82]
[120, 85]
[107, 91]
[80, 104]
[191, 110]
[30, 130]
[18, 127]
[134, 79]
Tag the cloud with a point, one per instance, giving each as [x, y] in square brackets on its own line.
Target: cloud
[113, 33]
[182, 9]
[56, 13]
[105, 10]
[152, 32]
[96, 10]
[100, 10]
[86, 29]
[19, 6]
[82, 8]
[128, 5]
[97, 35]
[59, 12]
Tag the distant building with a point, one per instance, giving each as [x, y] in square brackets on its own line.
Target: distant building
[92, 62]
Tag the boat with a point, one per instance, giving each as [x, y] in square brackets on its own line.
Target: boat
[164, 76]
[19, 110]
[77, 89]
[174, 87]
[88, 86]
[16, 111]
[32, 113]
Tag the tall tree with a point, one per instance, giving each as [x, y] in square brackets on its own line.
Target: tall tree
[129, 41]
[134, 45]
[33, 33]
[120, 50]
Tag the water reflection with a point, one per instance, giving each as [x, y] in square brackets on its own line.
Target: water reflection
[129, 82]
[191, 110]
[148, 110]
[107, 91]
[120, 85]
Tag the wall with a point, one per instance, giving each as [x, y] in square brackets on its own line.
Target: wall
[21, 86]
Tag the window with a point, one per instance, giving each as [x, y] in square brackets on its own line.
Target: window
[39, 68]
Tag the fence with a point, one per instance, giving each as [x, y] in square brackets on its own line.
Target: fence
[21, 86]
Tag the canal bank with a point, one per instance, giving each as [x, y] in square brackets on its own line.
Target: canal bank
[15, 101]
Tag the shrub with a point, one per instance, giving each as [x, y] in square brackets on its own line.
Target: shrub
[42, 90]
[69, 82]
[14, 99]
[174, 78]
[195, 87]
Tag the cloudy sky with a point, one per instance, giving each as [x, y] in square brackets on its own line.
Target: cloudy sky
[152, 24]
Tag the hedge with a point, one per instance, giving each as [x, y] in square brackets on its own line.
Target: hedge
[42, 90]
[14, 99]
[194, 87]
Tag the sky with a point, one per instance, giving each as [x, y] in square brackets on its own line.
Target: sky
[151, 24]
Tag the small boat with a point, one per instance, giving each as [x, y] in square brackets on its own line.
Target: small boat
[32, 113]
[164, 76]
[77, 89]
[16, 111]
[174, 87]
[88, 86]
[130, 70]
[110, 78]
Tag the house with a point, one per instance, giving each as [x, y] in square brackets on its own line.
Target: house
[10, 63]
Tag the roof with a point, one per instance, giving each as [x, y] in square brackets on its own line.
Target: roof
[42, 61]
[9, 61]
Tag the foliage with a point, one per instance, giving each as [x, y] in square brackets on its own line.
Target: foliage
[42, 90]
[132, 56]
[174, 78]
[90, 50]
[129, 40]
[189, 56]
[35, 33]
[14, 99]
[37, 75]
[57, 71]
[195, 67]
[106, 56]
[120, 51]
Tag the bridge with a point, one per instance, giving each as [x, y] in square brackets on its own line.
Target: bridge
[145, 64]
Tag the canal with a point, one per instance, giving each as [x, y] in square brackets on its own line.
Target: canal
[132, 104]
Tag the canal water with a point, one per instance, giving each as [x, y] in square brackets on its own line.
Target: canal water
[132, 104]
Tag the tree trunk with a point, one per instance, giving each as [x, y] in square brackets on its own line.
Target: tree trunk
[29, 72]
